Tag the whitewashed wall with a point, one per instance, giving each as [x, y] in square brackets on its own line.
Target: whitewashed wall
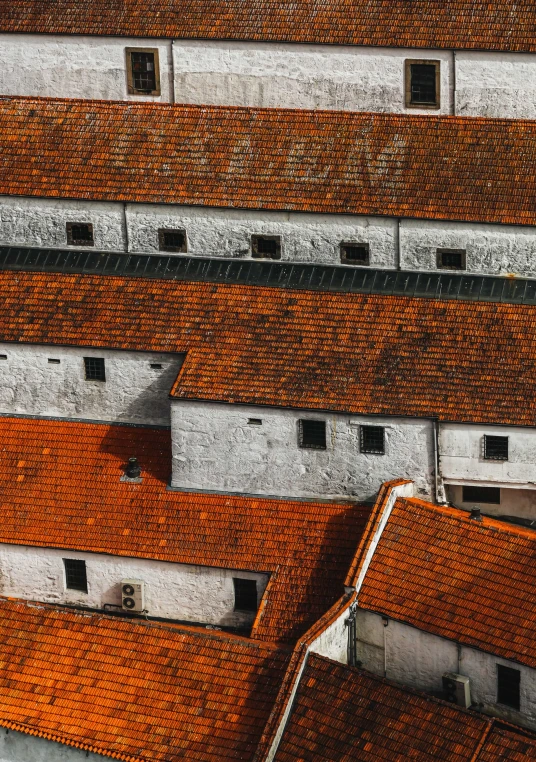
[133, 391]
[490, 249]
[419, 659]
[514, 502]
[65, 66]
[496, 84]
[215, 449]
[173, 591]
[22, 747]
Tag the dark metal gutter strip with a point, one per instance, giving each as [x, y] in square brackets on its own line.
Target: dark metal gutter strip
[359, 280]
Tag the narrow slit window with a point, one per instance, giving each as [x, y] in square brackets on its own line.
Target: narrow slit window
[372, 440]
[156, 366]
[312, 434]
[508, 686]
[255, 421]
[95, 369]
[473, 494]
[53, 361]
[80, 234]
[266, 247]
[245, 591]
[75, 574]
[495, 448]
[422, 84]
[3, 357]
[451, 259]
[143, 73]
[172, 240]
[355, 254]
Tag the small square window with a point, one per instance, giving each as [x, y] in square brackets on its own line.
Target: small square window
[422, 84]
[172, 240]
[355, 254]
[372, 440]
[80, 234]
[312, 434]
[508, 686]
[495, 448]
[245, 591]
[451, 259]
[266, 247]
[143, 73]
[95, 369]
[75, 574]
[491, 495]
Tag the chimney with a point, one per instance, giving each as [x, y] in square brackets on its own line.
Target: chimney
[475, 513]
[133, 470]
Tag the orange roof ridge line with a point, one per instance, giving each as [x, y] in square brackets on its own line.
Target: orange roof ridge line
[485, 736]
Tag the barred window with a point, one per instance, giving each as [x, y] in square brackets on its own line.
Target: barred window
[143, 71]
[355, 253]
[451, 259]
[266, 247]
[95, 369]
[372, 440]
[75, 574]
[172, 240]
[80, 234]
[495, 448]
[312, 434]
[422, 84]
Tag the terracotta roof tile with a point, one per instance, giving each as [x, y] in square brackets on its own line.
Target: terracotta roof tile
[472, 582]
[134, 690]
[314, 161]
[71, 497]
[471, 24]
[355, 353]
[342, 714]
[509, 744]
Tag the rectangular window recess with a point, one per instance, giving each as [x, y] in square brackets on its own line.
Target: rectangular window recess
[495, 448]
[372, 440]
[143, 71]
[245, 591]
[508, 686]
[451, 259]
[255, 421]
[490, 495]
[75, 574]
[3, 357]
[80, 234]
[312, 434]
[95, 369]
[53, 361]
[355, 254]
[266, 246]
[422, 84]
[156, 366]
[172, 240]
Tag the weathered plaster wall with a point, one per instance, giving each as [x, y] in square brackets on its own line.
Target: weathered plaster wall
[491, 249]
[496, 85]
[514, 502]
[21, 747]
[63, 66]
[214, 448]
[133, 391]
[174, 591]
[419, 659]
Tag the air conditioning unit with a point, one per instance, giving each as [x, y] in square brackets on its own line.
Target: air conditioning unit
[132, 595]
[456, 689]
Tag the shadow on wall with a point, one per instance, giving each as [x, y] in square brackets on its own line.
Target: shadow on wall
[151, 446]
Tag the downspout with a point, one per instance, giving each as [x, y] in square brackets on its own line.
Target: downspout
[127, 243]
[385, 622]
[436, 460]
[454, 82]
[173, 71]
[397, 244]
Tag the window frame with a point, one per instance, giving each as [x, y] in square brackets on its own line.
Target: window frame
[81, 564]
[462, 252]
[246, 595]
[362, 428]
[69, 232]
[505, 669]
[173, 249]
[87, 360]
[254, 246]
[354, 244]
[130, 73]
[436, 63]
[301, 440]
[485, 445]
[479, 500]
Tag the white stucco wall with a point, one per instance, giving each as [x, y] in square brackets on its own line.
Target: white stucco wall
[71, 66]
[21, 747]
[133, 391]
[514, 502]
[419, 659]
[490, 249]
[215, 449]
[496, 84]
[174, 591]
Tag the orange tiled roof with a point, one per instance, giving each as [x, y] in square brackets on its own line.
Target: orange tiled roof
[508, 744]
[314, 161]
[341, 713]
[472, 582]
[471, 24]
[355, 353]
[134, 690]
[59, 487]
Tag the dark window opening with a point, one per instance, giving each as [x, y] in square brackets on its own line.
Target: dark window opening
[372, 440]
[266, 247]
[143, 74]
[422, 83]
[80, 234]
[451, 259]
[172, 240]
[355, 253]
[495, 448]
[75, 574]
[95, 370]
[3, 357]
[245, 591]
[255, 421]
[508, 686]
[54, 361]
[312, 434]
[156, 366]
[491, 495]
